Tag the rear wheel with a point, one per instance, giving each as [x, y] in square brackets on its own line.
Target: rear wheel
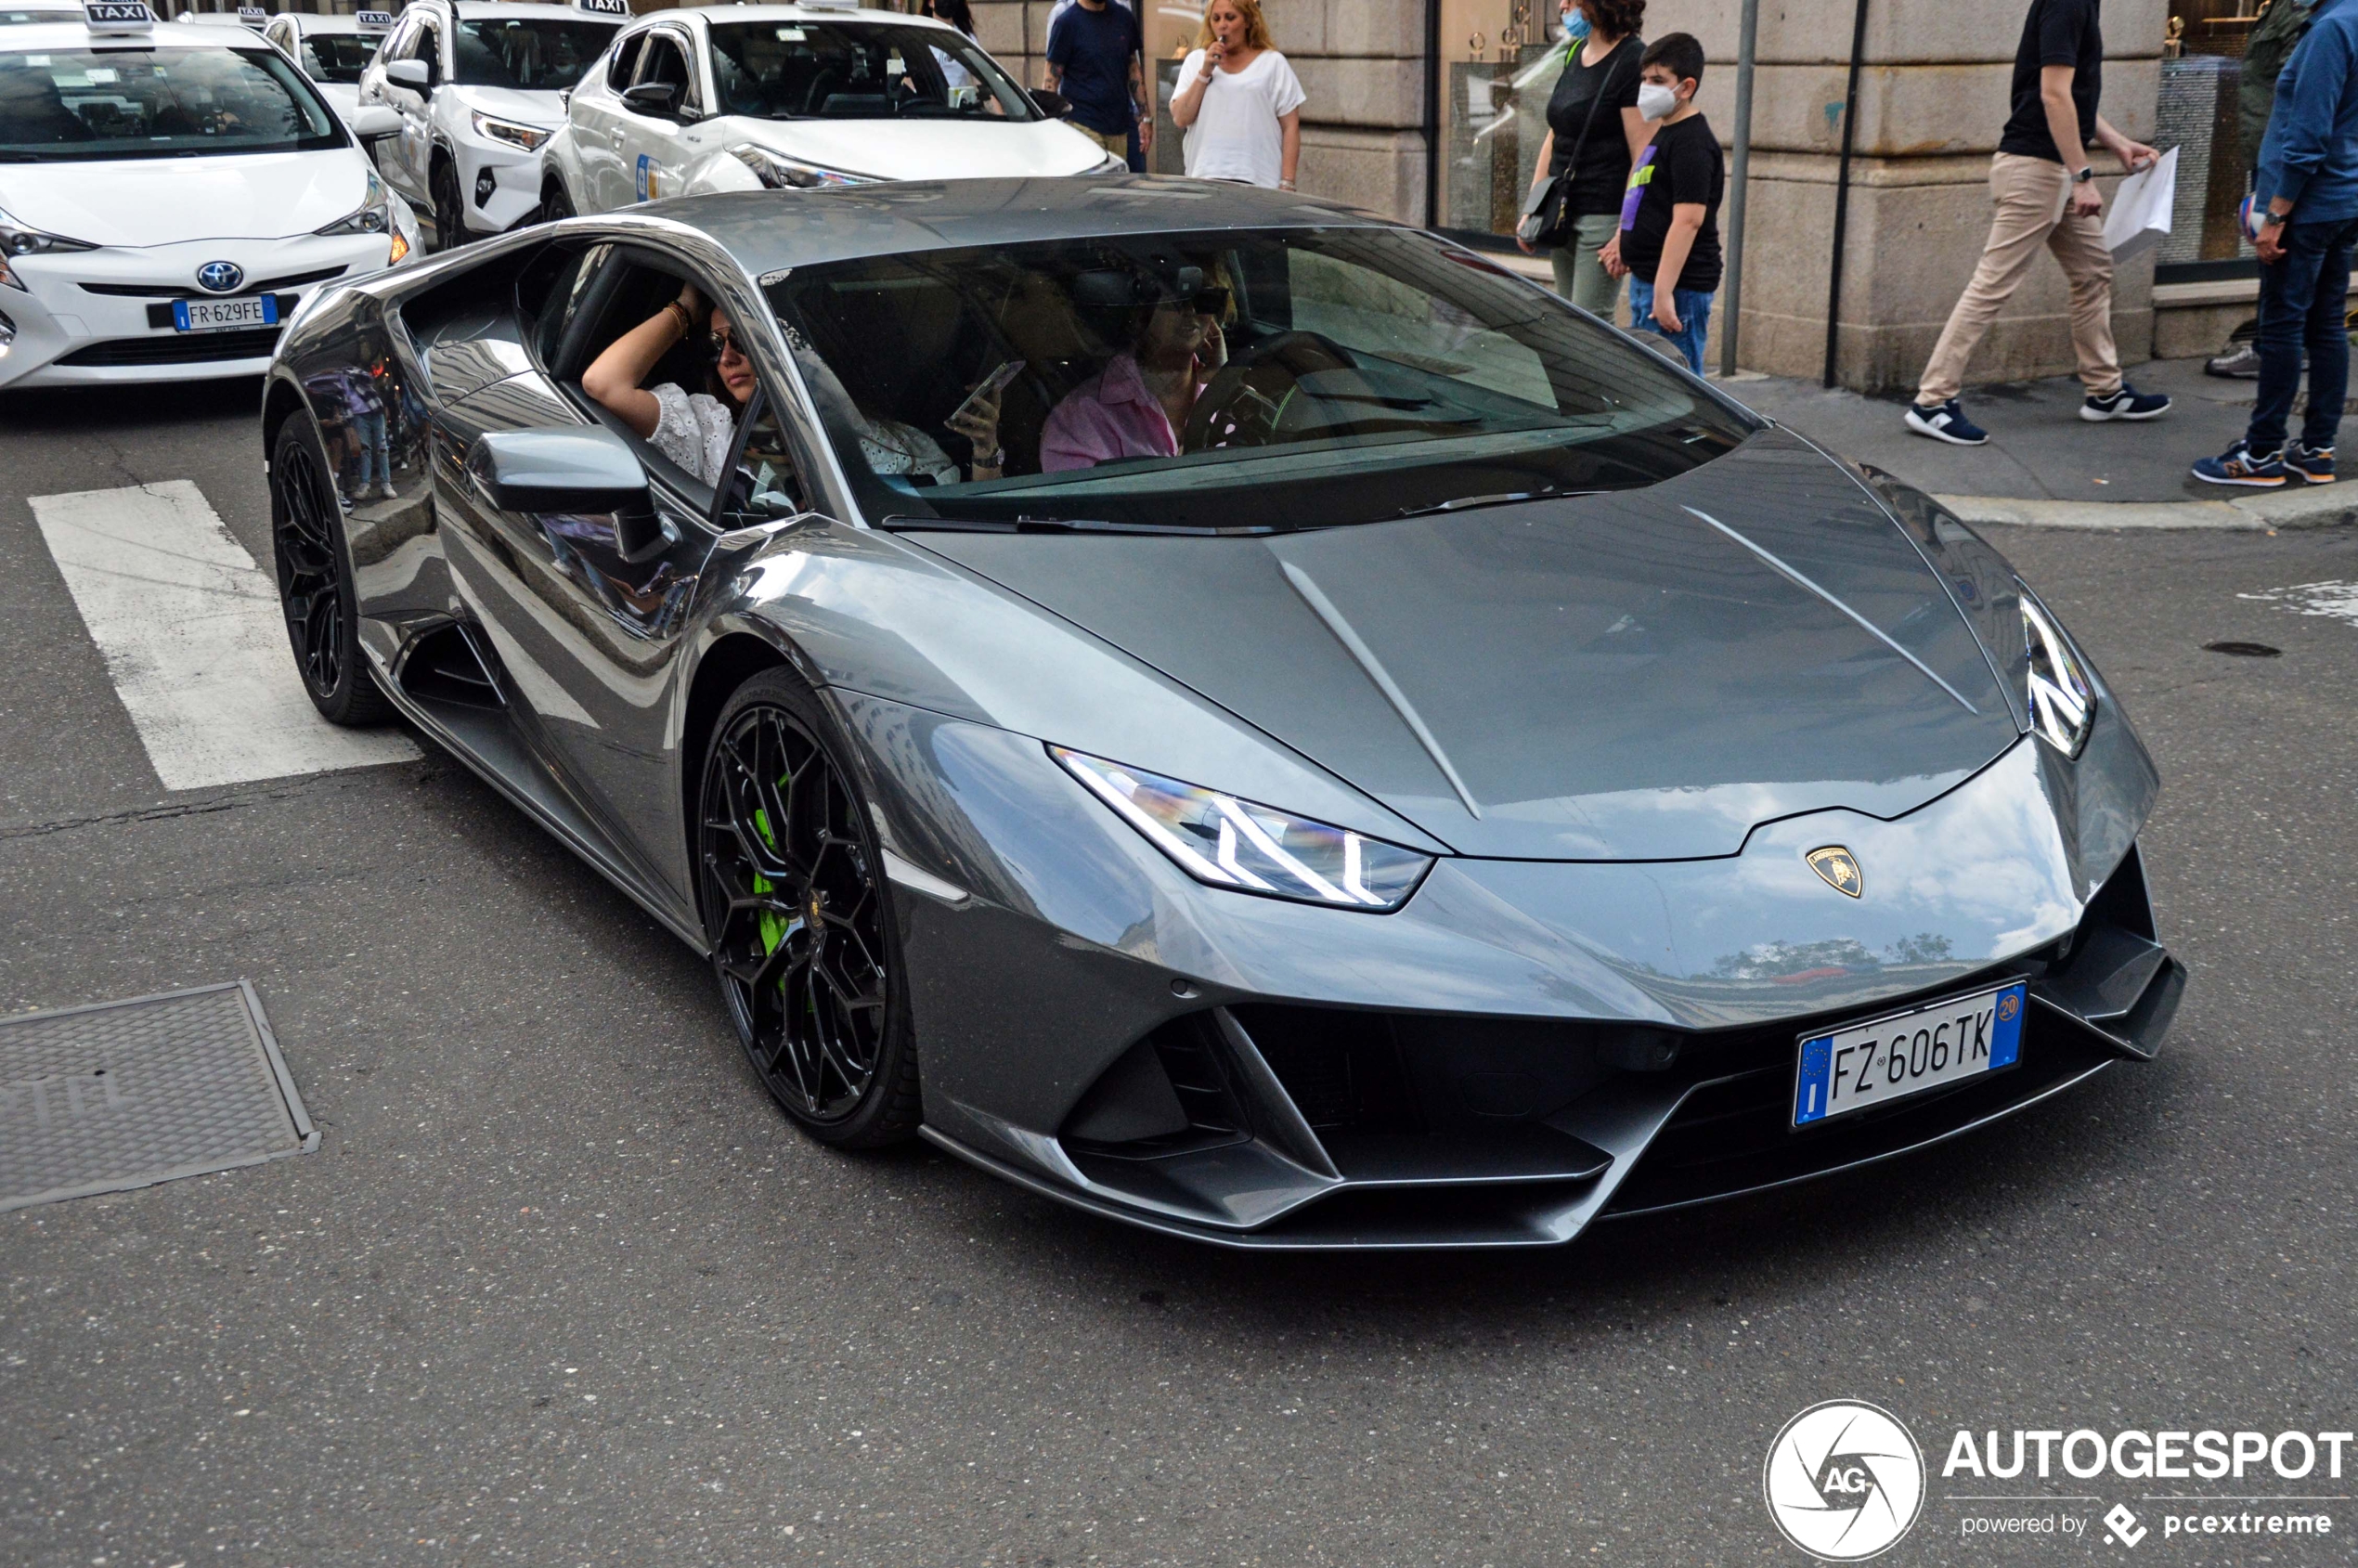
[450, 206]
[799, 913]
[315, 586]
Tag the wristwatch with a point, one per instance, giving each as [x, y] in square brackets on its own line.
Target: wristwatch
[2084, 176]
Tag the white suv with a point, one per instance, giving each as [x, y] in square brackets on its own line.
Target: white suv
[735, 97]
[480, 86]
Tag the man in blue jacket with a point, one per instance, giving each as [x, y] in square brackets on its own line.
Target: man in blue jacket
[2309, 176]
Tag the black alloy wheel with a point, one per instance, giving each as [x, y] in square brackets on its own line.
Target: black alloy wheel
[450, 206]
[315, 586]
[798, 910]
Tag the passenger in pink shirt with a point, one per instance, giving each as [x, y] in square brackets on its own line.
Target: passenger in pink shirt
[1138, 404]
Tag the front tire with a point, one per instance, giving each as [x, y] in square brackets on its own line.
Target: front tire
[798, 913]
[450, 206]
[554, 203]
[315, 583]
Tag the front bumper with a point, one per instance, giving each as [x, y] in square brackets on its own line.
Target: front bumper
[1525, 1048]
[94, 317]
[498, 185]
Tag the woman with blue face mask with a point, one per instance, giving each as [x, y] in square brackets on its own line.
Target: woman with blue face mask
[1594, 136]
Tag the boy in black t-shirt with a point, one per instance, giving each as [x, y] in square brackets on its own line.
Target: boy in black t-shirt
[1670, 217]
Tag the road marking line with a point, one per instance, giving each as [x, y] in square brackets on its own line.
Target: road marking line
[194, 641]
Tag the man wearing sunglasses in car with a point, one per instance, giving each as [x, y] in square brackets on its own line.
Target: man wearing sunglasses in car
[1139, 404]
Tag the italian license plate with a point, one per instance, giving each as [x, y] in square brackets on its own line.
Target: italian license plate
[207, 316]
[1873, 1064]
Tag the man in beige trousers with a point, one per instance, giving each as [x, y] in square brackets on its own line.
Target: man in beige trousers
[2045, 197]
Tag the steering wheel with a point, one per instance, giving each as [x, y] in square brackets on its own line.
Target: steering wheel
[1244, 401]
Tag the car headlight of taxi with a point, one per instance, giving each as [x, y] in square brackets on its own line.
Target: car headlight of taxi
[2062, 698]
[1225, 842]
[527, 137]
[1111, 166]
[374, 216]
[18, 241]
[787, 173]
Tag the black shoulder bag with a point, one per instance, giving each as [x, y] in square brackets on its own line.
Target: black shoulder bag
[1546, 219]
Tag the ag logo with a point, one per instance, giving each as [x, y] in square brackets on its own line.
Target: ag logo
[1844, 1481]
[1839, 867]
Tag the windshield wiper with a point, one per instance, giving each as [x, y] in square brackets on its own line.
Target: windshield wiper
[1508, 497]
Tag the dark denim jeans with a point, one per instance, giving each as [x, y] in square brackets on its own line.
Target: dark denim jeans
[2302, 301]
[1693, 307]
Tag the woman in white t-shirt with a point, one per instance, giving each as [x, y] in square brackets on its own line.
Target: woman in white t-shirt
[1239, 100]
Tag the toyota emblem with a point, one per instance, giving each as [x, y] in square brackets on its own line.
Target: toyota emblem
[220, 277]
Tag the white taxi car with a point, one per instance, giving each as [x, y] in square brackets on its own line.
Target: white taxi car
[736, 98]
[333, 51]
[479, 86]
[167, 194]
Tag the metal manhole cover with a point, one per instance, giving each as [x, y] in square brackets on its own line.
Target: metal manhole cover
[124, 1094]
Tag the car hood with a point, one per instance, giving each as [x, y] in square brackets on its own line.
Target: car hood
[930, 149]
[1644, 675]
[165, 200]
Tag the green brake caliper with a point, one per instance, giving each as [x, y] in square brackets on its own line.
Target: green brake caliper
[772, 925]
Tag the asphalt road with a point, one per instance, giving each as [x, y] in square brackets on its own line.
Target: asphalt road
[560, 1286]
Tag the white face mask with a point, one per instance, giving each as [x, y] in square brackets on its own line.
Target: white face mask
[1657, 103]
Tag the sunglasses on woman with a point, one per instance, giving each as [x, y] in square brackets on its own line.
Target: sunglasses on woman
[719, 345]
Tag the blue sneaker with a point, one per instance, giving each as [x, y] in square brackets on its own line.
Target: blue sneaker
[1945, 421]
[2313, 463]
[2238, 466]
[2126, 403]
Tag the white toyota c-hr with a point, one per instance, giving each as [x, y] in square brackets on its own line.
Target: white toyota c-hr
[736, 98]
[167, 194]
[479, 86]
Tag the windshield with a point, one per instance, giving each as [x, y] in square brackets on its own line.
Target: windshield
[1274, 379]
[68, 105]
[540, 54]
[858, 71]
[9, 17]
[338, 57]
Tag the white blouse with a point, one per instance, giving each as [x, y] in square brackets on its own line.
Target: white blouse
[1235, 136]
[692, 429]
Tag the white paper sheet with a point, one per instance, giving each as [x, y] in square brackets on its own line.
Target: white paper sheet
[2139, 216]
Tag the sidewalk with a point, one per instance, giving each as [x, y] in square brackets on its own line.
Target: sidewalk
[2046, 466]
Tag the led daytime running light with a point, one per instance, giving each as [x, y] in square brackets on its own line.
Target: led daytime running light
[787, 173]
[528, 137]
[1225, 842]
[2062, 698]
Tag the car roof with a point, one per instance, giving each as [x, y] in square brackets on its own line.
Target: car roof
[477, 10]
[74, 35]
[767, 231]
[307, 22]
[816, 14]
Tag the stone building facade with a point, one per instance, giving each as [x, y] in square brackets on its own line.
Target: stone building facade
[1933, 96]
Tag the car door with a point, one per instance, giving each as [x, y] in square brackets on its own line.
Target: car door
[413, 148]
[594, 113]
[589, 614]
[651, 153]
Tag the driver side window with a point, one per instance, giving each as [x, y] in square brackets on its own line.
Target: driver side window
[428, 48]
[624, 61]
[665, 64]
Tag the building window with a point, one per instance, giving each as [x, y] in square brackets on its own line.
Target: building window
[2201, 115]
[1498, 68]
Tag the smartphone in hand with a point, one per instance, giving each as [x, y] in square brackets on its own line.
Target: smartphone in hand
[992, 384]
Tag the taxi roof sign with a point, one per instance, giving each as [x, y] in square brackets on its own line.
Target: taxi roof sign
[374, 21]
[252, 15]
[604, 7]
[117, 16]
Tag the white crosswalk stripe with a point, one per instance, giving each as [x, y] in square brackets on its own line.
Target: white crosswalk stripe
[194, 641]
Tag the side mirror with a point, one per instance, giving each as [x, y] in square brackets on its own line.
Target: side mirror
[653, 98]
[410, 73]
[591, 470]
[1056, 106]
[374, 121]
